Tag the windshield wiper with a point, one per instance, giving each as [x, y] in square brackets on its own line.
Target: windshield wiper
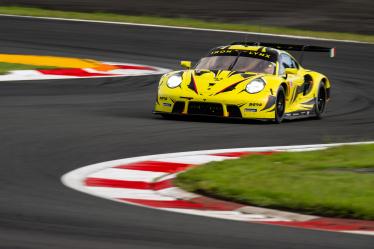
[234, 62]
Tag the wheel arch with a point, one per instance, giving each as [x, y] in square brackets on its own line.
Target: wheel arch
[326, 82]
[285, 87]
[317, 78]
[327, 86]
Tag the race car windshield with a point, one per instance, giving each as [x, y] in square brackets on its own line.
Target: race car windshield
[236, 63]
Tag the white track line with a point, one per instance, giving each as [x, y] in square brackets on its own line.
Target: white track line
[188, 28]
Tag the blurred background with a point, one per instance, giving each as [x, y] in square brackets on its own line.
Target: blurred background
[334, 15]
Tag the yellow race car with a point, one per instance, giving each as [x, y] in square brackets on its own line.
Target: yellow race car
[248, 80]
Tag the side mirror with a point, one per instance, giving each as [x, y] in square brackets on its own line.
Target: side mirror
[186, 64]
[291, 71]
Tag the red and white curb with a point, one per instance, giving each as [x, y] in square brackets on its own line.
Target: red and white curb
[122, 70]
[147, 181]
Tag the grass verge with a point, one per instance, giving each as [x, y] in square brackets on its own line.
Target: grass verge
[185, 22]
[6, 67]
[337, 182]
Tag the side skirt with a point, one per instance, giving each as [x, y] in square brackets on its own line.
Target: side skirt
[299, 114]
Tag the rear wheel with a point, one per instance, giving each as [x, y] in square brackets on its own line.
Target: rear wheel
[280, 105]
[320, 106]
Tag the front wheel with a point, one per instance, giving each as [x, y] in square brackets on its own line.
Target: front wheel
[320, 106]
[280, 105]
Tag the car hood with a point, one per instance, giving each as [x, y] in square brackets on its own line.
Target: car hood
[211, 82]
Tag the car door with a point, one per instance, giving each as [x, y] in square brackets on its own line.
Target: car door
[294, 81]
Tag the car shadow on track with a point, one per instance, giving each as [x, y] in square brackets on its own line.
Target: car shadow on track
[205, 119]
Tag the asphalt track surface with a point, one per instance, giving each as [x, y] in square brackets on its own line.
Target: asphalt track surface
[332, 15]
[51, 127]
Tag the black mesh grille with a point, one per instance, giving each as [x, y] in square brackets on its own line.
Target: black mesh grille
[234, 111]
[201, 108]
[178, 107]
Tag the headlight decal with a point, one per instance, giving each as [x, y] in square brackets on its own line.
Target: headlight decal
[271, 102]
[231, 87]
[255, 86]
[192, 85]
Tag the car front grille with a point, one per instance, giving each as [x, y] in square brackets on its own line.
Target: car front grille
[201, 108]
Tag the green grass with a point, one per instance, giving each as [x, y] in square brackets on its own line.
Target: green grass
[6, 67]
[186, 22]
[328, 182]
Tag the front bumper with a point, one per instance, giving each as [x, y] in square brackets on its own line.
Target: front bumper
[253, 107]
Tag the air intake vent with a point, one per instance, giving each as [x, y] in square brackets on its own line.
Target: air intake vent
[234, 111]
[178, 107]
[201, 108]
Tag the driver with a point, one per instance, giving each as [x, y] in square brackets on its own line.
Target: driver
[264, 67]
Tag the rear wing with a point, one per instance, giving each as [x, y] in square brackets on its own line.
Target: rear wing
[290, 47]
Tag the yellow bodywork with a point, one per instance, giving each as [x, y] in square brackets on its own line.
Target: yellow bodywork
[205, 86]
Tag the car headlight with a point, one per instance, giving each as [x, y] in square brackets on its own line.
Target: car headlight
[255, 86]
[174, 81]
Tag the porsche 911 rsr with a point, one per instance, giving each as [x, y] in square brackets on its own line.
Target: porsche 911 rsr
[246, 80]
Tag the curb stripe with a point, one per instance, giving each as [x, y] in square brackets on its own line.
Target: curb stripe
[214, 204]
[77, 72]
[202, 203]
[101, 182]
[104, 69]
[117, 193]
[165, 204]
[245, 153]
[227, 215]
[155, 166]
[147, 181]
[136, 67]
[193, 159]
[127, 175]
[326, 224]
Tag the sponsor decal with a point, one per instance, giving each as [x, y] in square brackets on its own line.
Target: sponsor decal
[250, 110]
[255, 104]
[247, 53]
[242, 52]
[166, 104]
[297, 114]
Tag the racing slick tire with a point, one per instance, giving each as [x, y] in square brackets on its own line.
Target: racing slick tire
[280, 105]
[320, 106]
